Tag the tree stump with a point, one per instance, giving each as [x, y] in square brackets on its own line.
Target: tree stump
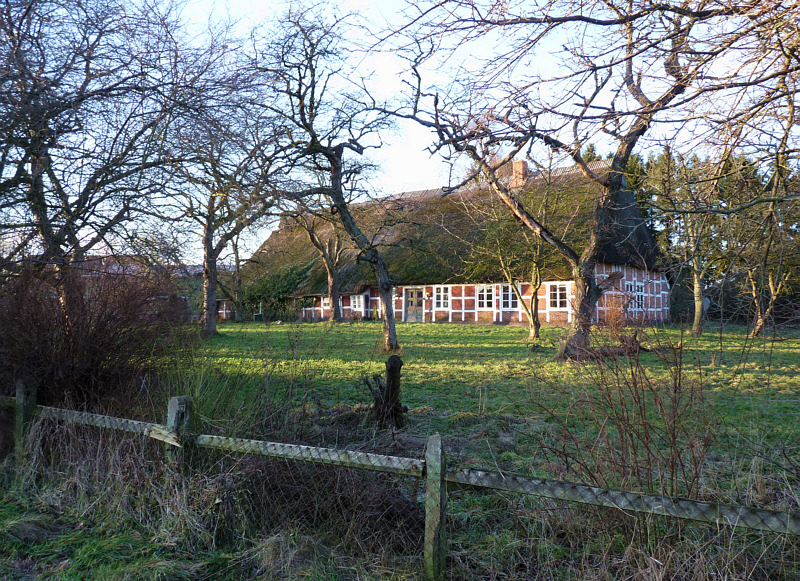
[388, 409]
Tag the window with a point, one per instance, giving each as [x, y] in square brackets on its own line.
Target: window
[326, 302]
[616, 268]
[357, 302]
[510, 301]
[485, 297]
[635, 293]
[441, 295]
[223, 310]
[558, 296]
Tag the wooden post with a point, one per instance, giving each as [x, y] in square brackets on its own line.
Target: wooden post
[394, 409]
[388, 409]
[26, 403]
[179, 421]
[435, 549]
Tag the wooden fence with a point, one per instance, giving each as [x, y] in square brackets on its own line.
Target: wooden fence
[180, 431]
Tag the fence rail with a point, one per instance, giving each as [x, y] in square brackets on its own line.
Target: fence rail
[347, 458]
[177, 433]
[738, 516]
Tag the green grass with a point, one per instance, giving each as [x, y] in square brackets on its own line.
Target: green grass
[459, 371]
[36, 544]
[495, 398]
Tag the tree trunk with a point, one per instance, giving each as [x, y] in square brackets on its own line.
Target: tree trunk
[534, 324]
[209, 318]
[576, 345]
[390, 343]
[532, 311]
[758, 327]
[759, 313]
[369, 252]
[763, 314]
[71, 296]
[237, 284]
[333, 291]
[388, 409]
[697, 324]
[237, 308]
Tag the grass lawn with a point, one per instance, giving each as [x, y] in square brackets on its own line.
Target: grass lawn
[499, 402]
[454, 372]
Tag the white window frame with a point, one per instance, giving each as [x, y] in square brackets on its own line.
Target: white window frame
[357, 303]
[559, 302]
[441, 297]
[223, 310]
[326, 302]
[616, 268]
[640, 298]
[636, 297]
[509, 300]
[484, 297]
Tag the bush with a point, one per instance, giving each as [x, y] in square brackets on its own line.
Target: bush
[274, 293]
[85, 340]
[631, 425]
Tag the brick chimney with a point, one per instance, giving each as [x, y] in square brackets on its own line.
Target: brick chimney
[520, 175]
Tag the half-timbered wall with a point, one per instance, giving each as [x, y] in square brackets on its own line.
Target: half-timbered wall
[639, 295]
[356, 307]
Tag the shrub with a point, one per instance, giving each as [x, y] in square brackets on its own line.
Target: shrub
[632, 425]
[274, 293]
[84, 340]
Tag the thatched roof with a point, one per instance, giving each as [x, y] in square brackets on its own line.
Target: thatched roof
[434, 236]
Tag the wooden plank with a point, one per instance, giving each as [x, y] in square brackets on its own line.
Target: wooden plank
[97, 420]
[164, 435]
[739, 516]
[348, 458]
[179, 413]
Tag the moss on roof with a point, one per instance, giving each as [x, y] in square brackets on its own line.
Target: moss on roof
[434, 236]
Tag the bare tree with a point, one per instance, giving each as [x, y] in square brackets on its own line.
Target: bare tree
[225, 191]
[776, 139]
[766, 249]
[681, 187]
[322, 230]
[330, 122]
[86, 93]
[223, 178]
[621, 73]
[501, 244]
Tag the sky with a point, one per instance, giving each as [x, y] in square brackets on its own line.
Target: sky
[404, 162]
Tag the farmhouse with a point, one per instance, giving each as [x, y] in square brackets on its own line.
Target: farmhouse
[449, 254]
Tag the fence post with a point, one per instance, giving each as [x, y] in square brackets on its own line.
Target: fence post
[435, 549]
[179, 417]
[26, 402]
